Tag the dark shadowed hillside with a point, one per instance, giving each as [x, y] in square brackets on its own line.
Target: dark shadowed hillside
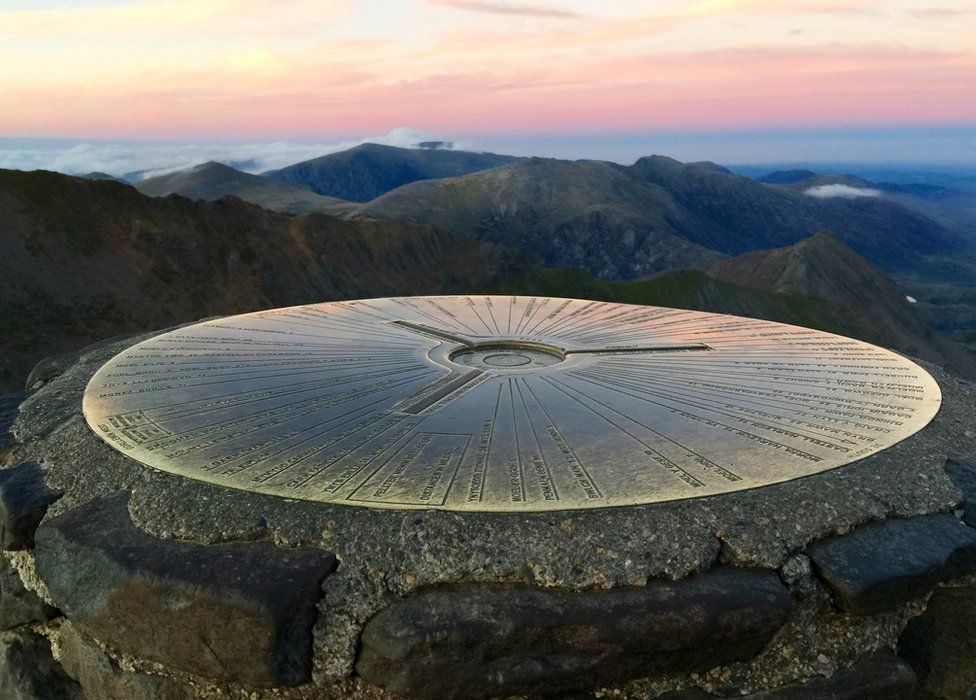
[211, 181]
[786, 177]
[687, 289]
[871, 304]
[367, 171]
[85, 259]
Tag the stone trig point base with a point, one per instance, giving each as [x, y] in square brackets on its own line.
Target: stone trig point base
[487, 496]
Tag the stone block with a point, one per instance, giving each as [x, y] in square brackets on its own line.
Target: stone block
[101, 678]
[19, 606]
[481, 640]
[24, 499]
[878, 676]
[238, 611]
[882, 566]
[940, 644]
[28, 671]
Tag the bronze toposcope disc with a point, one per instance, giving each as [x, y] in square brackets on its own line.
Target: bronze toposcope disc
[499, 403]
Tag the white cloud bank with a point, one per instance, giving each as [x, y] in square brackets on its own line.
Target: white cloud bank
[843, 191]
[155, 158]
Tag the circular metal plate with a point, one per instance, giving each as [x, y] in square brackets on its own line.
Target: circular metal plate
[502, 403]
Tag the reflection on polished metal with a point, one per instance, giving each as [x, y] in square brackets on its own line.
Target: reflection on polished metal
[502, 403]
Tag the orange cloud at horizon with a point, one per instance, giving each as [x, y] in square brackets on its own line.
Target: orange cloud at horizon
[172, 68]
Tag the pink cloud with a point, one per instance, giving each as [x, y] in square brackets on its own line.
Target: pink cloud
[735, 88]
[504, 8]
[706, 64]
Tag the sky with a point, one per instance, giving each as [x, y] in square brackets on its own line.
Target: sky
[755, 80]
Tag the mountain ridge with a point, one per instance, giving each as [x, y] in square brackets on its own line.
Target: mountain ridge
[586, 214]
[619, 221]
[672, 215]
[86, 259]
[367, 171]
[213, 180]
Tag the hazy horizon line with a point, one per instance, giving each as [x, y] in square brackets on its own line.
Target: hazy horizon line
[919, 146]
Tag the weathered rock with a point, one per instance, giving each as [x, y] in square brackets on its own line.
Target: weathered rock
[101, 677]
[689, 694]
[53, 366]
[24, 499]
[28, 671]
[940, 644]
[962, 471]
[9, 409]
[238, 611]
[18, 606]
[882, 566]
[878, 676]
[477, 641]
[50, 367]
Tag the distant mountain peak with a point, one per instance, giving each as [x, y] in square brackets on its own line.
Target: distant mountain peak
[434, 145]
[369, 170]
[214, 165]
[659, 168]
[214, 180]
[99, 175]
[658, 161]
[787, 177]
[824, 239]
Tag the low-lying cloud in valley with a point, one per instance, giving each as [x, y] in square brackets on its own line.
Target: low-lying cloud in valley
[843, 191]
[120, 158]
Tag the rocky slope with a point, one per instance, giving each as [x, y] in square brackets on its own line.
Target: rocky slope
[870, 304]
[211, 181]
[85, 259]
[734, 215]
[591, 215]
[614, 221]
[367, 171]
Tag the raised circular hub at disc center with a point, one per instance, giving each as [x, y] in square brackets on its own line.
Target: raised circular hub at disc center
[507, 357]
